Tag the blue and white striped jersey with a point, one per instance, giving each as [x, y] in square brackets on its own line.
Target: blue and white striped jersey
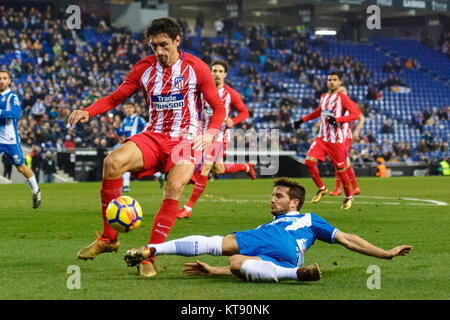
[132, 125]
[10, 112]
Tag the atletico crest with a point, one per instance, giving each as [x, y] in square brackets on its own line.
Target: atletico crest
[179, 82]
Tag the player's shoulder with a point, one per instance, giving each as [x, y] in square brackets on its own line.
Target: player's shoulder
[192, 60]
[230, 89]
[146, 62]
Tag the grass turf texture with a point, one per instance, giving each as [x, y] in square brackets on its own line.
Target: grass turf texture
[38, 246]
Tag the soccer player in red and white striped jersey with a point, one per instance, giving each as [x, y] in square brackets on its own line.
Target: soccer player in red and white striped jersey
[350, 135]
[172, 82]
[330, 139]
[213, 155]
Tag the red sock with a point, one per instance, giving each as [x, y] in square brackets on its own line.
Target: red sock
[338, 180]
[314, 173]
[352, 177]
[111, 189]
[199, 186]
[345, 183]
[234, 167]
[164, 221]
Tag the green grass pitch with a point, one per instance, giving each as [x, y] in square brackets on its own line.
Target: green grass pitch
[38, 247]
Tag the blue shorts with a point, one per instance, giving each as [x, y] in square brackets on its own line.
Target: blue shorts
[270, 244]
[14, 152]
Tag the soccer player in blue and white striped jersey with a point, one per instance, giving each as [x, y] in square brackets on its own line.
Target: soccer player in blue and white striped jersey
[131, 125]
[10, 113]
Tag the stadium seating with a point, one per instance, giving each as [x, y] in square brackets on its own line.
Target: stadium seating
[427, 85]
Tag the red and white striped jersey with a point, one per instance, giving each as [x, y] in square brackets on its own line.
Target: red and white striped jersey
[232, 100]
[172, 94]
[335, 105]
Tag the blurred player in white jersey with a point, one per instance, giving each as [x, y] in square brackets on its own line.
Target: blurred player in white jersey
[10, 113]
[213, 155]
[131, 125]
[350, 135]
[272, 252]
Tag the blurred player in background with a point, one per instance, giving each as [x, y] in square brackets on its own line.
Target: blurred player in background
[349, 137]
[171, 81]
[131, 125]
[331, 138]
[272, 252]
[10, 113]
[213, 155]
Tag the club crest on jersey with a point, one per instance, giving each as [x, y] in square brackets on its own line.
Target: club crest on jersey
[178, 82]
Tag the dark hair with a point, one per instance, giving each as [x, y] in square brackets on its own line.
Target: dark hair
[223, 63]
[7, 72]
[168, 26]
[129, 103]
[296, 191]
[335, 74]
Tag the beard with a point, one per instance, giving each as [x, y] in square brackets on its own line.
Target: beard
[163, 60]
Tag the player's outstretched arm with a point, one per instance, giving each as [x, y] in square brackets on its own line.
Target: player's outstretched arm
[199, 268]
[358, 244]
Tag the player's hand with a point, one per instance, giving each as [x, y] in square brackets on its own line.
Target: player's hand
[298, 123]
[331, 120]
[355, 136]
[229, 122]
[197, 269]
[399, 251]
[202, 141]
[78, 116]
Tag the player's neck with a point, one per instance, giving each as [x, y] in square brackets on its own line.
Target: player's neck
[2, 91]
[172, 61]
[333, 91]
[220, 86]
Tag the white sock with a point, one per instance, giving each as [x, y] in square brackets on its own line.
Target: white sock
[266, 271]
[190, 246]
[126, 179]
[33, 184]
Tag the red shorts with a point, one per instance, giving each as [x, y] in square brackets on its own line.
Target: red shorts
[214, 152]
[161, 151]
[336, 151]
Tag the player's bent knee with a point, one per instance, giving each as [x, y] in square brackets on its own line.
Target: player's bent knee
[309, 163]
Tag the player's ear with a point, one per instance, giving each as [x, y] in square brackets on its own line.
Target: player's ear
[178, 40]
[295, 203]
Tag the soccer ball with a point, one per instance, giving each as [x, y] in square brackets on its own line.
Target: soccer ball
[124, 214]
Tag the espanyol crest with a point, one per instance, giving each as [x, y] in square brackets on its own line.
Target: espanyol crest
[178, 82]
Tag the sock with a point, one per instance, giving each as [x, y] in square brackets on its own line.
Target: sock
[352, 177]
[345, 183]
[197, 191]
[338, 180]
[266, 271]
[32, 183]
[190, 246]
[235, 167]
[126, 179]
[164, 221]
[311, 166]
[111, 189]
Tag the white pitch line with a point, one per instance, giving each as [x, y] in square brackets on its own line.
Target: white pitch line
[327, 202]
